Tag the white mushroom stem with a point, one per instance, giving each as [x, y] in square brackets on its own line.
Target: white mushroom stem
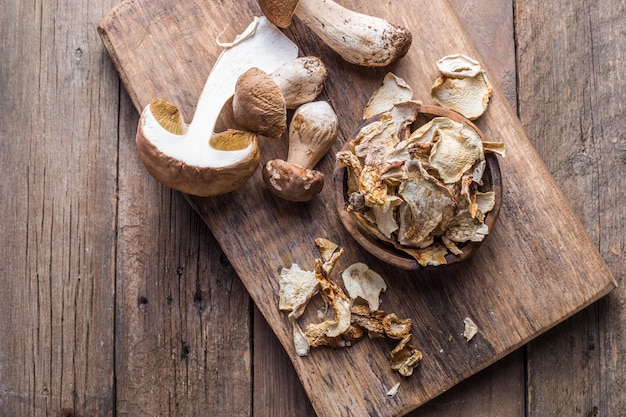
[312, 132]
[359, 38]
[264, 47]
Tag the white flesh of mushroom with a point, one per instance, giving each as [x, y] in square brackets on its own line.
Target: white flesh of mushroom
[261, 45]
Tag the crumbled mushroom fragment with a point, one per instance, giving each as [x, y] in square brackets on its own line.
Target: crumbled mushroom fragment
[393, 390]
[405, 357]
[362, 282]
[470, 328]
[300, 341]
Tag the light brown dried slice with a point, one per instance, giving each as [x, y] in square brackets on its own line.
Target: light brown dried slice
[373, 136]
[495, 147]
[362, 282]
[458, 66]
[316, 336]
[465, 228]
[458, 149]
[393, 90]
[296, 288]
[336, 299]
[433, 255]
[405, 357]
[468, 96]
[430, 204]
[326, 247]
[452, 247]
[395, 327]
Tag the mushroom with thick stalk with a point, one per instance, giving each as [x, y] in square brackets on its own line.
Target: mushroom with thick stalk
[193, 158]
[358, 38]
[312, 131]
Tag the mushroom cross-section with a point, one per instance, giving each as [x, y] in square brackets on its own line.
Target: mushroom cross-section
[193, 158]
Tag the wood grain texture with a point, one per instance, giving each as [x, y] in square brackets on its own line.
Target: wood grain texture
[577, 49]
[182, 317]
[510, 310]
[57, 191]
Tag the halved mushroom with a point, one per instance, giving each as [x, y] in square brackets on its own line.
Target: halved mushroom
[358, 38]
[192, 158]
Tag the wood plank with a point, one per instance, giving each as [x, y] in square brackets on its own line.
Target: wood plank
[577, 49]
[510, 310]
[58, 126]
[183, 318]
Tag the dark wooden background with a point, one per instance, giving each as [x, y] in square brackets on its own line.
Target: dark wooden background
[81, 220]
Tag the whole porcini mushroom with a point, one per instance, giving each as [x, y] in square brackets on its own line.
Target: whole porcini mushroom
[358, 38]
[193, 158]
[312, 131]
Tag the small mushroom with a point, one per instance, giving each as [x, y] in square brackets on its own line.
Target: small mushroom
[312, 131]
[358, 38]
[192, 158]
[261, 100]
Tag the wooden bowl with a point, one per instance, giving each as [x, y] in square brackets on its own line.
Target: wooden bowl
[385, 251]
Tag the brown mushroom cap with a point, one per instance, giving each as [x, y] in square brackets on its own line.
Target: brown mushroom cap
[259, 105]
[290, 182]
[279, 12]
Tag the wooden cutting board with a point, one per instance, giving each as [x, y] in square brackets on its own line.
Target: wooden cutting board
[536, 268]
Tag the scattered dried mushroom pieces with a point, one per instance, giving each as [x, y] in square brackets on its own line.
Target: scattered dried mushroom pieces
[348, 318]
[417, 190]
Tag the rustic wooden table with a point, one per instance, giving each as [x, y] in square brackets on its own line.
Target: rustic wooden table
[82, 220]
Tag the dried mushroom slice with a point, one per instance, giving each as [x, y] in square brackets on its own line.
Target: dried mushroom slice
[430, 203]
[337, 300]
[326, 247]
[433, 255]
[297, 287]
[395, 327]
[458, 149]
[467, 96]
[361, 282]
[393, 90]
[465, 228]
[458, 66]
[405, 357]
